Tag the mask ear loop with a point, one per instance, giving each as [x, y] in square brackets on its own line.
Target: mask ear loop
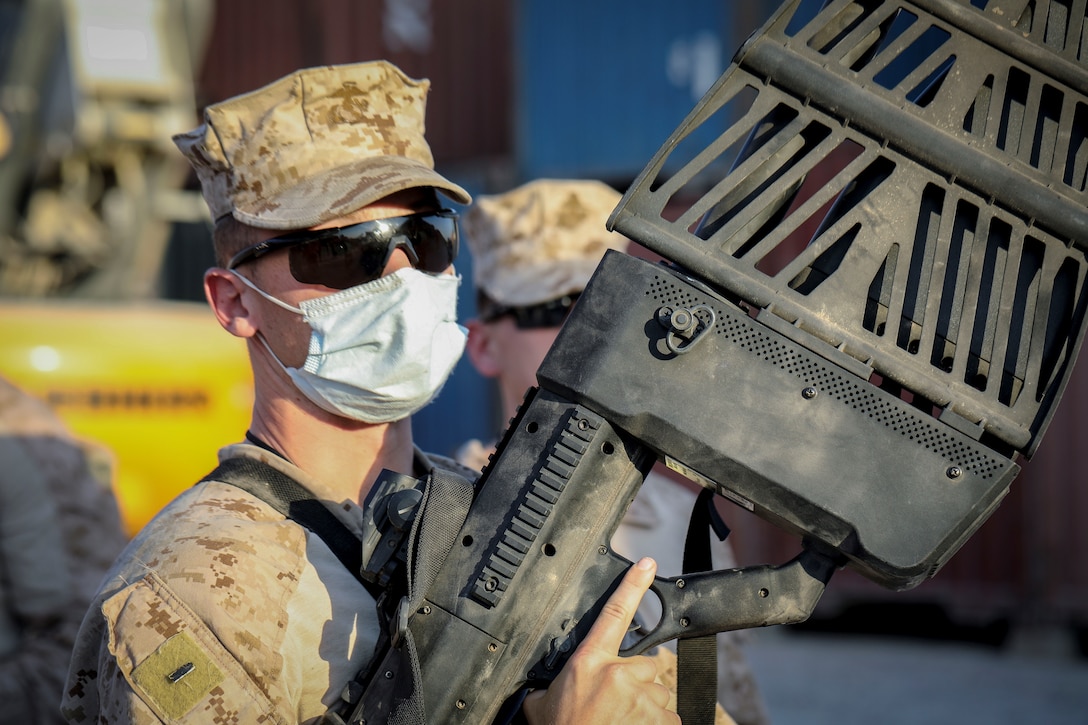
[262, 293]
[259, 335]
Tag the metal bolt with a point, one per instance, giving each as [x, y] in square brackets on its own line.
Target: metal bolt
[492, 647]
[602, 550]
[426, 609]
[764, 593]
[491, 584]
[684, 621]
[954, 472]
[808, 393]
[682, 320]
[680, 583]
[461, 704]
[389, 674]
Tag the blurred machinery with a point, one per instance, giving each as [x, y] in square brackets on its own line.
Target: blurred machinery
[90, 190]
[92, 91]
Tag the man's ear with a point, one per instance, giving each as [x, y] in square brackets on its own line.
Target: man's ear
[481, 349]
[225, 296]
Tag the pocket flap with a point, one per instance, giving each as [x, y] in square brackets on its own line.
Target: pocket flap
[174, 663]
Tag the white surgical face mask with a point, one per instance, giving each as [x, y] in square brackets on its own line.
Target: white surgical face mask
[382, 350]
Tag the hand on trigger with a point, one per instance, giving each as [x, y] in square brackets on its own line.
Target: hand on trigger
[597, 685]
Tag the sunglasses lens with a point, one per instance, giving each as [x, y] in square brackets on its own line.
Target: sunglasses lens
[434, 242]
[358, 254]
[338, 261]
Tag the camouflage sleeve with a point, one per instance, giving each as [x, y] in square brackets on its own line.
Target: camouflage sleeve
[190, 626]
[30, 537]
[168, 667]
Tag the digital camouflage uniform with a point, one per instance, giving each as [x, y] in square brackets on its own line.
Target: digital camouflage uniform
[59, 531]
[220, 610]
[539, 242]
[271, 622]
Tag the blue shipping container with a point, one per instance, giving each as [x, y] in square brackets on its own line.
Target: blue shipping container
[601, 85]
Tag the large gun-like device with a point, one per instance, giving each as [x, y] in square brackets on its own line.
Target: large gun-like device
[872, 298]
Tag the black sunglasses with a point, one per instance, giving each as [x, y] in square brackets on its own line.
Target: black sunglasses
[546, 314]
[343, 257]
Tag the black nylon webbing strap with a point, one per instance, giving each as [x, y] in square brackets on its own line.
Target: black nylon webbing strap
[293, 500]
[442, 513]
[697, 657]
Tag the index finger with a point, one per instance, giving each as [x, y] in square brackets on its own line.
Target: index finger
[612, 623]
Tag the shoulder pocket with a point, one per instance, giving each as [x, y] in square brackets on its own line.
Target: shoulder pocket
[174, 663]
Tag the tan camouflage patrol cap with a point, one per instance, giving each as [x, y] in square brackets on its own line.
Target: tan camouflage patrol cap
[540, 241]
[315, 145]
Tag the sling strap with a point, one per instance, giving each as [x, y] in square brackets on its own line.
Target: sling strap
[296, 502]
[397, 697]
[697, 657]
[444, 509]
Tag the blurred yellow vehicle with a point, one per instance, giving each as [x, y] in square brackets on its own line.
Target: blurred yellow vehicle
[91, 192]
[159, 383]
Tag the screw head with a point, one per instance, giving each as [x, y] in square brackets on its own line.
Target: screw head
[808, 393]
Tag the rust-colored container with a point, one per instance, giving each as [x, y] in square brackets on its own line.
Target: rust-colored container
[462, 47]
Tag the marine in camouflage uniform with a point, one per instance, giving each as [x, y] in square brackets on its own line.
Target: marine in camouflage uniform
[221, 610]
[534, 249]
[273, 624]
[59, 531]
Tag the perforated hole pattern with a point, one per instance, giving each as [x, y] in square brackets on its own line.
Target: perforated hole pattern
[811, 370]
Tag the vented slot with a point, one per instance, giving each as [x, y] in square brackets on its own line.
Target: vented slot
[776, 143]
[1013, 111]
[975, 121]
[880, 294]
[953, 285]
[1028, 282]
[1049, 23]
[1064, 307]
[729, 117]
[1076, 157]
[917, 65]
[1044, 144]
